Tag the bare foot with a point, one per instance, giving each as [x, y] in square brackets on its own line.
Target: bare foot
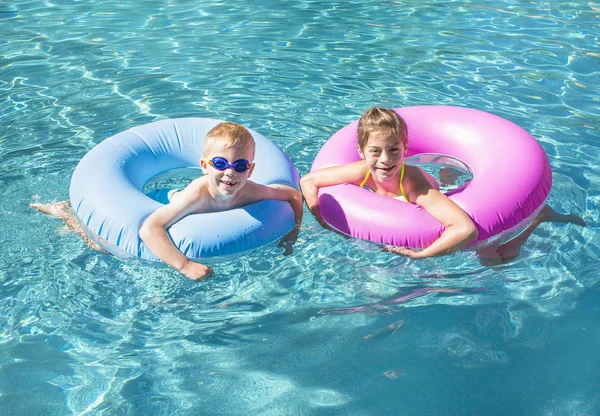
[510, 250]
[62, 210]
[58, 209]
[550, 215]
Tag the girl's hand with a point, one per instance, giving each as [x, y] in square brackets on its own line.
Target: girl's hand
[404, 251]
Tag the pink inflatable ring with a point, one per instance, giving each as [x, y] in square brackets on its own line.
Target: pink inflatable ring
[511, 179]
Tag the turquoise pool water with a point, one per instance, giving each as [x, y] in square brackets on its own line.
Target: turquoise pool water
[338, 327]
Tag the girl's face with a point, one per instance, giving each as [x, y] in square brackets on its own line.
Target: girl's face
[384, 155]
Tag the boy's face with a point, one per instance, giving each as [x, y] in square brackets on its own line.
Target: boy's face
[228, 181]
[384, 155]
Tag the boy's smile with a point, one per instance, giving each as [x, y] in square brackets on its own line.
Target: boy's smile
[229, 183]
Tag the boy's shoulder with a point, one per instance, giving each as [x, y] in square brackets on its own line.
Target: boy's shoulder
[252, 189]
[195, 191]
[198, 185]
[252, 186]
[254, 192]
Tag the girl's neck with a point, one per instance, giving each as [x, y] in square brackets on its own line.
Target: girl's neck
[389, 187]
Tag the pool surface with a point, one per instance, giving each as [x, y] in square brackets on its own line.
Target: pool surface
[339, 327]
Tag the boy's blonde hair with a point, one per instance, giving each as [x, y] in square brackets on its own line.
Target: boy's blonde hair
[230, 134]
[381, 119]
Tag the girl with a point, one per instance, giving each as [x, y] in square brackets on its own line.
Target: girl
[382, 144]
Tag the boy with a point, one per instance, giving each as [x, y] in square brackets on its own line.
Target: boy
[227, 165]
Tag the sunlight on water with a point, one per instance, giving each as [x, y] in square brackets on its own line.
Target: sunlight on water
[338, 327]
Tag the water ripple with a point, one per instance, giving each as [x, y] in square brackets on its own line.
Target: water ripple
[339, 326]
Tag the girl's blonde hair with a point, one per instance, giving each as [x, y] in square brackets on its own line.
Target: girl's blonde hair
[378, 119]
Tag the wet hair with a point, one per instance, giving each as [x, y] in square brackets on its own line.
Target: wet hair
[230, 134]
[381, 119]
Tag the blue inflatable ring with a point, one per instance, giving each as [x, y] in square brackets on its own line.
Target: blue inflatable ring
[107, 198]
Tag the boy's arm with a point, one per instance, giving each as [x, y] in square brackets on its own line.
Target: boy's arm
[281, 193]
[154, 233]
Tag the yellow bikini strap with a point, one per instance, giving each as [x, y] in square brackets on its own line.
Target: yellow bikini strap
[402, 187]
[401, 178]
[366, 178]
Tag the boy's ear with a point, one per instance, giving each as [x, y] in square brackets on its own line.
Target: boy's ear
[360, 152]
[251, 169]
[203, 165]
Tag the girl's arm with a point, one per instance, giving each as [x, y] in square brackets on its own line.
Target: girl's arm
[460, 229]
[311, 183]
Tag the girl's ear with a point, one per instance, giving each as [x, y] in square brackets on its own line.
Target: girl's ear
[251, 169]
[360, 152]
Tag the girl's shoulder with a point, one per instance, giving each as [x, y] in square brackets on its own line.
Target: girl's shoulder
[417, 181]
[356, 171]
[414, 173]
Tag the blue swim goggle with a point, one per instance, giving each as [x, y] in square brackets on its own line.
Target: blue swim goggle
[220, 163]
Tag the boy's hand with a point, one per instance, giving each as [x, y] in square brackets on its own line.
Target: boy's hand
[196, 271]
[289, 240]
